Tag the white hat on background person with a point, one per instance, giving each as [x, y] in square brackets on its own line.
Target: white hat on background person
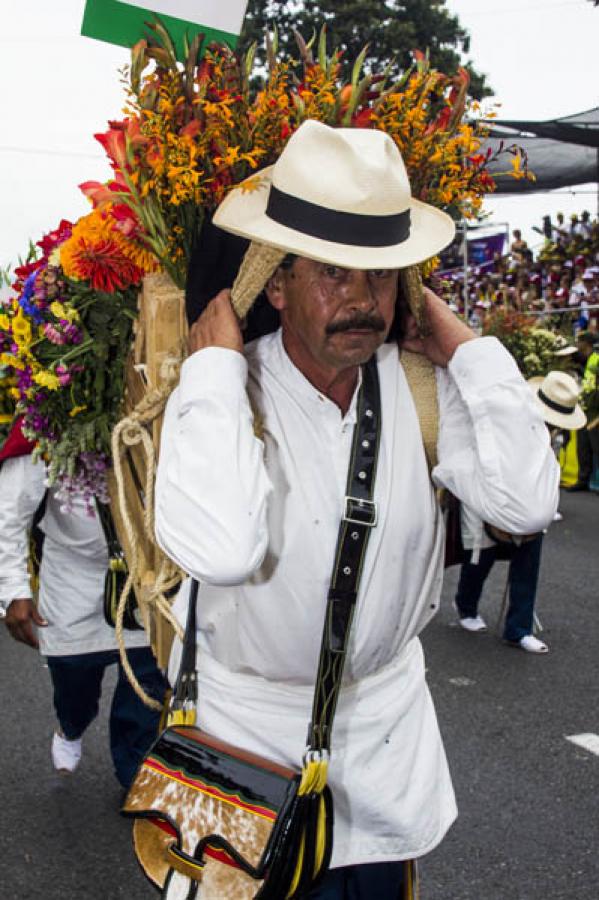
[556, 395]
[563, 347]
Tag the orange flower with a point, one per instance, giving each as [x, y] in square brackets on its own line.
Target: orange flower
[95, 253]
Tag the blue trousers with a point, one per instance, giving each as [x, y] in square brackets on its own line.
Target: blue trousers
[524, 577]
[374, 881]
[77, 683]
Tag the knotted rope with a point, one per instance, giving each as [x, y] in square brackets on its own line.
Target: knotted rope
[258, 265]
[129, 432]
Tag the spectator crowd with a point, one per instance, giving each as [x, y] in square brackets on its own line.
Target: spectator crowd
[560, 283]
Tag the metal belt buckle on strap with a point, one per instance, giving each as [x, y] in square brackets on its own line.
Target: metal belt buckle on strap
[360, 512]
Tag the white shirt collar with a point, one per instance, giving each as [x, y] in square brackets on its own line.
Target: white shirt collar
[297, 383]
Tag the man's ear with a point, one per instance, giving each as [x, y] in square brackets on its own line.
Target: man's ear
[275, 290]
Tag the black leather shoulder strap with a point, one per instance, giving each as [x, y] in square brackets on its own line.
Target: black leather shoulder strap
[359, 517]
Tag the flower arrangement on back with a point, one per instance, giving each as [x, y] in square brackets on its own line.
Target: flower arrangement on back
[64, 337]
[193, 131]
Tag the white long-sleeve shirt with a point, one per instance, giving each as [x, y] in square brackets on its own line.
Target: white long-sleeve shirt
[73, 568]
[256, 522]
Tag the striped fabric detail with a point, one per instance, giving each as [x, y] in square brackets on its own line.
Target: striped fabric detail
[212, 790]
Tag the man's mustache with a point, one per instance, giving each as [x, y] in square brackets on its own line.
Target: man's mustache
[359, 321]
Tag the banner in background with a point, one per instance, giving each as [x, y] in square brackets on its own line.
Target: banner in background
[123, 21]
[481, 251]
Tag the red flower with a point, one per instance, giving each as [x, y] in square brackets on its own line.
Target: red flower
[191, 129]
[22, 273]
[125, 220]
[56, 237]
[363, 118]
[103, 265]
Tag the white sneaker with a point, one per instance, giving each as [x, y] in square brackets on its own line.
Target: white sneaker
[474, 624]
[558, 517]
[66, 755]
[532, 644]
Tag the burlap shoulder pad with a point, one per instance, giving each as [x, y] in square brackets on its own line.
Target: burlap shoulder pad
[420, 374]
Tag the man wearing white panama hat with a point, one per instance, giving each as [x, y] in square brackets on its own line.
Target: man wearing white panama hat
[256, 519]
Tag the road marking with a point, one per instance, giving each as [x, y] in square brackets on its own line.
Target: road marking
[462, 681]
[588, 742]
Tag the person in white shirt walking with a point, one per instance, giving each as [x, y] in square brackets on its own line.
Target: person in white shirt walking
[68, 625]
[255, 519]
[556, 396]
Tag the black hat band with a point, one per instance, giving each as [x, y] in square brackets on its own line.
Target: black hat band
[558, 407]
[336, 226]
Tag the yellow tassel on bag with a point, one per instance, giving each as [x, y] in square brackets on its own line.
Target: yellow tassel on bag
[314, 779]
[182, 716]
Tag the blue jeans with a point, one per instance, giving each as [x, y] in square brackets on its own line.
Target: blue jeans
[523, 576]
[77, 683]
[374, 881]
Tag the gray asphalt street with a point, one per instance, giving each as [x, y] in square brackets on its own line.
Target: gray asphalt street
[529, 819]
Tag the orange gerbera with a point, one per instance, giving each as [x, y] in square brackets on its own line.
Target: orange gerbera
[96, 253]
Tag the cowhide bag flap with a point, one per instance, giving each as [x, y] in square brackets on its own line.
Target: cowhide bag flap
[215, 822]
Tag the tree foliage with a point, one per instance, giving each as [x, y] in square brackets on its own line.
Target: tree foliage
[391, 28]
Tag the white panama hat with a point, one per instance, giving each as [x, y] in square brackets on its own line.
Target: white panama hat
[339, 196]
[563, 347]
[556, 395]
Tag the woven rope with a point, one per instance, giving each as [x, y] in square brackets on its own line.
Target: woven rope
[258, 265]
[131, 431]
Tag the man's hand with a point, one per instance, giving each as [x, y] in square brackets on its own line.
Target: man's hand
[21, 616]
[217, 326]
[447, 331]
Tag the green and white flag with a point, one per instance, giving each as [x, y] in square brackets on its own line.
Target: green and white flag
[122, 21]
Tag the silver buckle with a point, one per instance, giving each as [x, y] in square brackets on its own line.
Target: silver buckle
[360, 512]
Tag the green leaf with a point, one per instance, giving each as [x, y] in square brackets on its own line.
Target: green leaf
[165, 39]
[322, 48]
[139, 61]
[357, 67]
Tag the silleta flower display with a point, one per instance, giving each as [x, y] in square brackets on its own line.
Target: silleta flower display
[191, 132]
